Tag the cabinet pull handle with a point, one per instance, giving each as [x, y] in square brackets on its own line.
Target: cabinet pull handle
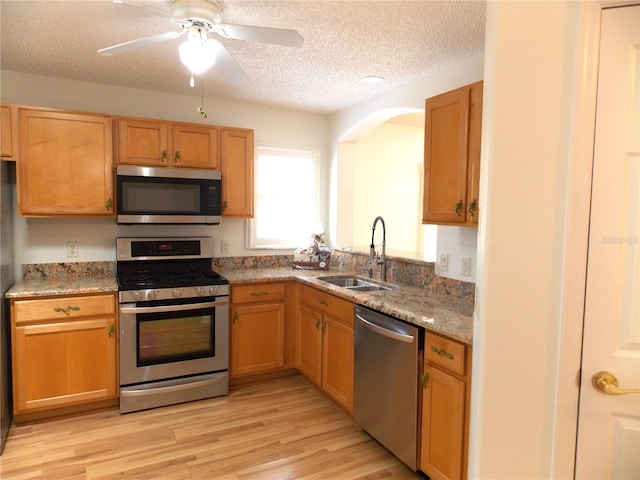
[459, 208]
[259, 294]
[163, 156]
[234, 317]
[112, 329]
[225, 205]
[424, 379]
[66, 310]
[176, 157]
[442, 352]
[109, 203]
[317, 324]
[322, 301]
[472, 207]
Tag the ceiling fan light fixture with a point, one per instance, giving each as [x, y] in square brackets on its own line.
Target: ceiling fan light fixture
[197, 53]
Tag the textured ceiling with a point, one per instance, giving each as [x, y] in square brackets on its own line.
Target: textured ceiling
[343, 41]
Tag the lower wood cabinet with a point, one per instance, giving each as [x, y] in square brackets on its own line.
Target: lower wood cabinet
[261, 329]
[64, 351]
[325, 343]
[445, 408]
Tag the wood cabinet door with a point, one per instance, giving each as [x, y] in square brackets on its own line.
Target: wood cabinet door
[257, 338]
[337, 361]
[445, 157]
[195, 146]
[64, 363]
[473, 163]
[443, 409]
[143, 142]
[309, 351]
[237, 172]
[66, 164]
[8, 124]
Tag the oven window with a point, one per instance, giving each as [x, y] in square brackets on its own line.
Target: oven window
[164, 338]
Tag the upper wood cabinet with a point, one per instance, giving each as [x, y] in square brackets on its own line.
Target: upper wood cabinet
[453, 123]
[164, 144]
[8, 132]
[65, 163]
[237, 172]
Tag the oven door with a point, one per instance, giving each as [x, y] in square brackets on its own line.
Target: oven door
[173, 340]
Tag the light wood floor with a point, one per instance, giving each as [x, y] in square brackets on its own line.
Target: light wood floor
[278, 429]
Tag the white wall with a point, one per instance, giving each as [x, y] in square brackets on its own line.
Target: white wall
[44, 240]
[524, 394]
[388, 182]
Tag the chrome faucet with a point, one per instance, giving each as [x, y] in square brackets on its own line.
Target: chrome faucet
[373, 255]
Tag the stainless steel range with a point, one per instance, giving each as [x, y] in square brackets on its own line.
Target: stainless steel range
[174, 322]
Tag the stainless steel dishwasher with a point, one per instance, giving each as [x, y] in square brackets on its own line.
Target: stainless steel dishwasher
[387, 365]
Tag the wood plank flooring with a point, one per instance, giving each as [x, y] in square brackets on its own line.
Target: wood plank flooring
[277, 429]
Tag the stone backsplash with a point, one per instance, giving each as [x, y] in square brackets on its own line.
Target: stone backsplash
[41, 271]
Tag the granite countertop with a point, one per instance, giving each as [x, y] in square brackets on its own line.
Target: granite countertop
[43, 287]
[445, 314]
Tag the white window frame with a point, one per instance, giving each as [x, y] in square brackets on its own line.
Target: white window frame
[312, 213]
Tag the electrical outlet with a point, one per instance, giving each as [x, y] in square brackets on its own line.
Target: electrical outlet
[465, 266]
[443, 262]
[224, 247]
[72, 249]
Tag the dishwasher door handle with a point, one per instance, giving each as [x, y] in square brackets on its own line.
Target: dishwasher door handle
[383, 331]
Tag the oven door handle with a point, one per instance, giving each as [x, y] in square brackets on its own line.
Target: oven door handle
[173, 308]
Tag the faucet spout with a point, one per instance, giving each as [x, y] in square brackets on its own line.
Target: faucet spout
[382, 259]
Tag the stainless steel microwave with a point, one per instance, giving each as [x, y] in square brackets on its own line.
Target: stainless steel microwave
[168, 195]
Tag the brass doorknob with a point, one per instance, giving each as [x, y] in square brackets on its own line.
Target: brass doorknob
[607, 383]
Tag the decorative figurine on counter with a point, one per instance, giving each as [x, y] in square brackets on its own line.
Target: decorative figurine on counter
[314, 257]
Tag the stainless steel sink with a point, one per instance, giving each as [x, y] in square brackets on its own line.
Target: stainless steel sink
[354, 283]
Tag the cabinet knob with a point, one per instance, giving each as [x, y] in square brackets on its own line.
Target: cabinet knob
[459, 208]
[472, 207]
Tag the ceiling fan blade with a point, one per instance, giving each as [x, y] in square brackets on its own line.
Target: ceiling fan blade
[139, 43]
[276, 36]
[228, 67]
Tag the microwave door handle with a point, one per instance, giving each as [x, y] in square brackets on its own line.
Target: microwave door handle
[173, 308]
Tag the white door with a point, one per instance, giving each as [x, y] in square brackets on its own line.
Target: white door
[609, 425]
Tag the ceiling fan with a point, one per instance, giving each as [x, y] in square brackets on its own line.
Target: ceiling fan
[197, 19]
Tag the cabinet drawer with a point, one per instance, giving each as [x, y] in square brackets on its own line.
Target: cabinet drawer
[63, 308]
[257, 293]
[445, 353]
[326, 303]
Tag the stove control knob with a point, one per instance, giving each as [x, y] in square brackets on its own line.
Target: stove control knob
[177, 293]
[152, 295]
[201, 292]
[137, 296]
[213, 290]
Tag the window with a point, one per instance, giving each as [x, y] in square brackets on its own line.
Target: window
[286, 198]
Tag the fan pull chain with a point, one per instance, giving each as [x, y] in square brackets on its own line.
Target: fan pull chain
[200, 109]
